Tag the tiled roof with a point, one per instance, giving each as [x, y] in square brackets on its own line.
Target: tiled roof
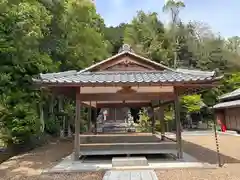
[231, 95]
[196, 72]
[228, 104]
[166, 76]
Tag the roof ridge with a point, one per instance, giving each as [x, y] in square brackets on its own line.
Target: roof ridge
[126, 72]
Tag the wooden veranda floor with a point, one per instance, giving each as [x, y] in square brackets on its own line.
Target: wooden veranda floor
[125, 144]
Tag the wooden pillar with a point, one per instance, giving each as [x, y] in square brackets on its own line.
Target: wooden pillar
[162, 121]
[96, 116]
[60, 110]
[77, 126]
[178, 125]
[41, 116]
[41, 111]
[51, 107]
[63, 119]
[90, 117]
[153, 120]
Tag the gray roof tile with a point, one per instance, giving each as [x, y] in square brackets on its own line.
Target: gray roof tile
[228, 104]
[196, 72]
[233, 94]
[122, 77]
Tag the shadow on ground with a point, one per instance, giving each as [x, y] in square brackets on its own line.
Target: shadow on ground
[32, 163]
[206, 155]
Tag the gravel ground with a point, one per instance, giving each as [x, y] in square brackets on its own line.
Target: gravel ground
[30, 165]
[231, 172]
[204, 149]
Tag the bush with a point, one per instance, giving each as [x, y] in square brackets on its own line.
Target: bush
[19, 125]
[144, 122]
[51, 127]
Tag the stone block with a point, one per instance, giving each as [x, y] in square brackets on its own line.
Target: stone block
[129, 161]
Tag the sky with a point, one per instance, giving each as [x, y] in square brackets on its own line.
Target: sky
[221, 15]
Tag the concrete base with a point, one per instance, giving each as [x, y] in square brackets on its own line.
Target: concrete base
[129, 161]
[67, 165]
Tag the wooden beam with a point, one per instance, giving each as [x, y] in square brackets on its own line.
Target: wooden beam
[129, 96]
[60, 109]
[115, 89]
[96, 116]
[90, 117]
[178, 125]
[162, 121]
[120, 105]
[77, 126]
[153, 121]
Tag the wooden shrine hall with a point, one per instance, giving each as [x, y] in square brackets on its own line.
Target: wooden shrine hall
[127, 80]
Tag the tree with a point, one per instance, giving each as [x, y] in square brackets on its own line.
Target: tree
[77, 34]
[115, 36]
[174, 8]
[191, 104]
[185, 53]
[23, 25]
[233, 48]
[147, 37]
[233, 44]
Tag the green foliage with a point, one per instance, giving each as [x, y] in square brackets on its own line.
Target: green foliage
[115, 36]
[229, 83]
[146, 35]
[232, 82]
[51, 127]
[38, 37]
[19, 122]
[144, 122]
[77, 40]
[169, 114]
[22, 25]
[191, 103]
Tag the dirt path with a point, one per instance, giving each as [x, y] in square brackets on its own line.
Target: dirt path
[29, 166]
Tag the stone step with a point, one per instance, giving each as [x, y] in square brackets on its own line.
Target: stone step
[130, 175]
[129, 161]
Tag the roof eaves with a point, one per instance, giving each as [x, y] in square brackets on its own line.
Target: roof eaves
[230, 95]
[228, 104]
[196, 72]
[58, 74]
